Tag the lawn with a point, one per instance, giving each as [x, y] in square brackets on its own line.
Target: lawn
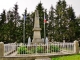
[71, 57]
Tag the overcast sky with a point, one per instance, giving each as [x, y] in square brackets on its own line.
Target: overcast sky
[31, 4]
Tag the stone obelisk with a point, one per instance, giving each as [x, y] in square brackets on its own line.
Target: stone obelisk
[36, 29]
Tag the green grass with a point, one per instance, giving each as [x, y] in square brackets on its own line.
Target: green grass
[71, 57]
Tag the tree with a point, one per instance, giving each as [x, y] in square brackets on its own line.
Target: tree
[72, 23]
[51, 23]
[10, 25]
[61, 20]
[77, 28]
[65, 22]
[2, 26]
[29, 26]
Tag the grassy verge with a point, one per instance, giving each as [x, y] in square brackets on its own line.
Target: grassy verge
[71, 57]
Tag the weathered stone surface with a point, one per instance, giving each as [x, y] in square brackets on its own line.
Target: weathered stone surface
[43, 59]
[8, 58]
[37, 29]
[1, 58]
[1, 49]
[15, 58]
[76, 47]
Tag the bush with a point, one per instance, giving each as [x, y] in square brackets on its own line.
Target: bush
[54, 48]
[22, 50]
[38, 49]
[29, 52]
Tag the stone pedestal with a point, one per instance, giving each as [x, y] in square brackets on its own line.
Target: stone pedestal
[76, 47]
[36, 30]
[1, 49]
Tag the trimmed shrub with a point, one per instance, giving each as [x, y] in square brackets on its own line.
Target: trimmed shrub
[38, 49]
[54, 48]
[22, 50]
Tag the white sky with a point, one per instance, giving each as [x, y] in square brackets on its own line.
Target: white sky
[31, 4]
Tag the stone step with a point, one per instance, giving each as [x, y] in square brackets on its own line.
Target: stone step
[43, 59]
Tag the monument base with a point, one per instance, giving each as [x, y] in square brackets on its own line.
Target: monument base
[37, 40]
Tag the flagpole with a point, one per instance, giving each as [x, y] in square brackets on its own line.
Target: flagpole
[24, 30]
[44, 27]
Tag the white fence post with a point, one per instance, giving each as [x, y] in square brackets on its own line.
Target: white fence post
[1, 49]
[76, 47]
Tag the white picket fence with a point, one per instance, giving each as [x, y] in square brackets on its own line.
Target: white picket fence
[39, 48]
[9, 48]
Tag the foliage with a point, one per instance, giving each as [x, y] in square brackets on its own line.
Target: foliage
[54, 48]
[63, 24]
[22, 50]
[51, 24]
[2, 26]
[38, 49]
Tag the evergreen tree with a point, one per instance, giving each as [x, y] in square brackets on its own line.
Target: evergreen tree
[10, 25]
[65, 22]
[77, 27]
[3, 17]
[61, 20]
[51, 23]
[72, 23]
[29, 26]
[2, 26]
[16, 19]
